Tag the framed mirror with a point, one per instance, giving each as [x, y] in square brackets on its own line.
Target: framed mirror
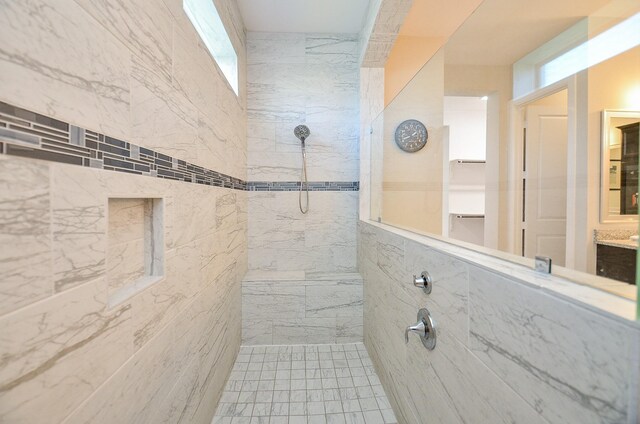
[619, 194]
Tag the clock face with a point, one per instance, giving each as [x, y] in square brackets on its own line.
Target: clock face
[411, 135]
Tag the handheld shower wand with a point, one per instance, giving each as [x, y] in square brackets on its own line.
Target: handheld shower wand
[302, 132]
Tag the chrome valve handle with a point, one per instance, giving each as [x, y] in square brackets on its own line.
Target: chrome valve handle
[425, 328]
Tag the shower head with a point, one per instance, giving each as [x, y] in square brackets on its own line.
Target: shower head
[302, 132]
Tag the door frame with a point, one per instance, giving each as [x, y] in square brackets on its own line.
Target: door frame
[516, 157]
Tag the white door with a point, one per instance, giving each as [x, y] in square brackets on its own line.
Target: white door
[545, 183]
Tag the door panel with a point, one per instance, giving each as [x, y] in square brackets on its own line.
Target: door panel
[546, 182]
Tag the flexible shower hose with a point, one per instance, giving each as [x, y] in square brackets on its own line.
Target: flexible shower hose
[303, 177]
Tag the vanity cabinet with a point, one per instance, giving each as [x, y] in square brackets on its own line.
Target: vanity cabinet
[629, 175]
[617, 263]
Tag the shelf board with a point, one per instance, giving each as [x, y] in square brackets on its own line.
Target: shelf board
[467, 215]
[469, 161]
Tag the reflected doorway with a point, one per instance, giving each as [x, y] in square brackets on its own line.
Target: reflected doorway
[543, 229]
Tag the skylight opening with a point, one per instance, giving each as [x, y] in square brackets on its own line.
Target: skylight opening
[206, 20]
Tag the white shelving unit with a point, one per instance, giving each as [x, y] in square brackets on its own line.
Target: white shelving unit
[465, 120]
[466, 200]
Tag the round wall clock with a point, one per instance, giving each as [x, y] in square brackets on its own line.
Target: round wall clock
[411, 135]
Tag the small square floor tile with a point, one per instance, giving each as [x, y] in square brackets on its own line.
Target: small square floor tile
[304, 384]
[317, 419]
[315, 408]
[332, 406]
[335, 419]
[354, 418]
[373, 417]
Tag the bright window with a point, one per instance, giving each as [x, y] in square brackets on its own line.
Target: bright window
[206, 20]
[612, 42]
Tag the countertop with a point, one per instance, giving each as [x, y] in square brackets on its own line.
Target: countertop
[616, 238]
[625, 244]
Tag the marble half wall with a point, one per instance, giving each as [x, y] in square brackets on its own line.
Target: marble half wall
[325, 309]
[310, 79]
[507, 351]
[138, 72]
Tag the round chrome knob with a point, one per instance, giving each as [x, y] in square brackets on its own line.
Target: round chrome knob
[424, 281]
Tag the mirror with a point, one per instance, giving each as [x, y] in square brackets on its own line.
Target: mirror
[619, 186]
[515, 165]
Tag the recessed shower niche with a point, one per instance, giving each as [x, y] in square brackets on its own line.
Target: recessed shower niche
[135, 251]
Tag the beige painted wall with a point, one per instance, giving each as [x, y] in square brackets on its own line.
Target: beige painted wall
[613, 84]
[412, 182]
[134, 70]
[408, 56]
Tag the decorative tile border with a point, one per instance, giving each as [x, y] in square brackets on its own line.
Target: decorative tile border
[295, 186]
[29, 134]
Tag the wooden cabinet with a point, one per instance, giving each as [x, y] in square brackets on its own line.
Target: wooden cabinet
[629, 168]
[617, 263]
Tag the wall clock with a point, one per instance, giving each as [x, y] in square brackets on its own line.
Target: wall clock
[411, 135]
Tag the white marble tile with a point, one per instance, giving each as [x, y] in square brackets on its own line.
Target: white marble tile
[326, 137]
[304, 330]
[162, 119]
[261, 136]
[257, 331]
[221, 148]
[349, 329]
[61, 63]
[125, 264]
[70, 358]
[56, 353]
[142, 374]
[546, 349]
[526, 355]
[272, 300]
[331, 49]
[78, 225]
[449, 298]
[278, 233]
[334, 300]
[275, 48]
[193, 71]
[143, 28]
[25, 252]
[330, 233]
[284, 90]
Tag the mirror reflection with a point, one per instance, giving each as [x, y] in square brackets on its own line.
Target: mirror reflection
[619, 165]
[533, 136]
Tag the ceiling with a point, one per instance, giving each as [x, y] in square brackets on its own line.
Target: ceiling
[500, 32]
[433, 18]
[324, 16]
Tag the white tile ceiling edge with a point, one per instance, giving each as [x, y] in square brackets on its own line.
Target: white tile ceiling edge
[324, 16]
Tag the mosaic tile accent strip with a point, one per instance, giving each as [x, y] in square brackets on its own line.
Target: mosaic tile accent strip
[28, 134]
[31, 135]
[295, 186]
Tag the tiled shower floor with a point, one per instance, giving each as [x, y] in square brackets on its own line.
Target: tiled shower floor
[304, 384]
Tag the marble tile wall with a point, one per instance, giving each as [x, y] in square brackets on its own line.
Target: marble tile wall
[310, 311]
[371, 106]
[302, 79]
[134, 70]
[507, 352]
[382, 25]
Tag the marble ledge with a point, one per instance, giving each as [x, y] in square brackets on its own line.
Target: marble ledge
[582, 294]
